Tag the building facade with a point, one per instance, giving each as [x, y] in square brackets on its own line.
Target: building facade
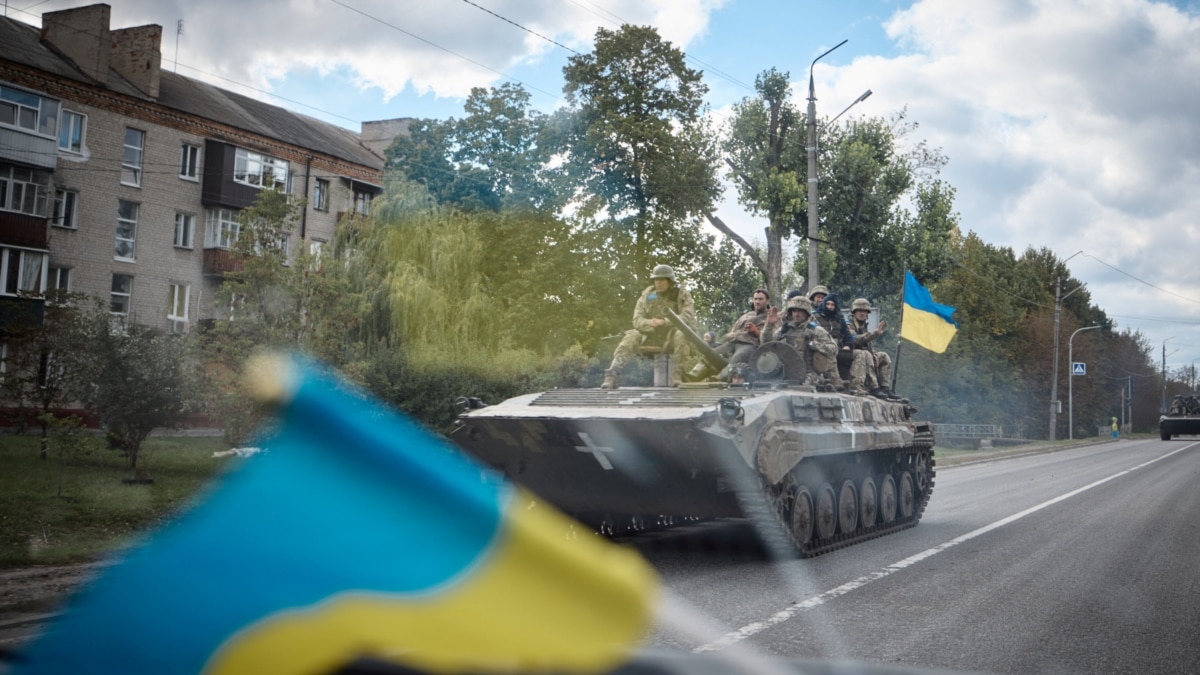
[124, 181]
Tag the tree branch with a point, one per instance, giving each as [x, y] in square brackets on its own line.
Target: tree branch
[745, 245]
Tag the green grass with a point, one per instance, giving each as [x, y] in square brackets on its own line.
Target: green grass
[96, 512]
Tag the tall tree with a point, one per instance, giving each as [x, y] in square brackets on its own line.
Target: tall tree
[868, 169]
[640, 148]
[765, 153]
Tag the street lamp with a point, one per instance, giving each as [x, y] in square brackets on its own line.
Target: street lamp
[1071, 381]
[1058, 298]
[862, 97]
[813, 272]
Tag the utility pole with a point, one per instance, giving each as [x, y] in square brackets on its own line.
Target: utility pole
[813, 265]
[1058, 298]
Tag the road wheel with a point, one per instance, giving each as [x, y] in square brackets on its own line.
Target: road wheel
[921, 469]
[847, 507]
[906, 497]
[801, 521]
[826, 512]
[868, 502]
[887, 498]
[1164, 435]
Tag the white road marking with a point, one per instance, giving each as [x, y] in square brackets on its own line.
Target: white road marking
[792, 610]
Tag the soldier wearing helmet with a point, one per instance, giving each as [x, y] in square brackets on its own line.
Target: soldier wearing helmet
[813, 342]
[828, 313]
[651, 327]
[880, 371]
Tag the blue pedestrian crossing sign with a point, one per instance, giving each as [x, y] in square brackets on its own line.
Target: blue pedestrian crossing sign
[1078, 368]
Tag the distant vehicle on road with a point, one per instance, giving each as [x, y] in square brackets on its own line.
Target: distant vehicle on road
[1182, 418]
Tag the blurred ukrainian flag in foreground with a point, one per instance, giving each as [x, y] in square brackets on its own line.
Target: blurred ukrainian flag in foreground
[925, 322]
[357, 535]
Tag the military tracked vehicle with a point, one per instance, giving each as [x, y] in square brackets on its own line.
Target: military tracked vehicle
[832, 469]
[1183, 418]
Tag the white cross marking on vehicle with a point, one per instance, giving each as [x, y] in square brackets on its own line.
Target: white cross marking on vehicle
[596, 450]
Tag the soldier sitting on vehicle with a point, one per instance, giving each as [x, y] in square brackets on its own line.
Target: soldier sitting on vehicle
[744, 337]
[651, 327]
[828, 314]
[879, 370]
[813, 342]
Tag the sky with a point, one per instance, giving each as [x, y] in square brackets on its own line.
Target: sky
[1071, 125]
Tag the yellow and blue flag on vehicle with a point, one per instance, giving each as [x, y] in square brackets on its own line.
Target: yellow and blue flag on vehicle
[356, 535]
[925, 322]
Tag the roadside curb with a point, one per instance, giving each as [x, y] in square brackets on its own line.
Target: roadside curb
[1036, 450]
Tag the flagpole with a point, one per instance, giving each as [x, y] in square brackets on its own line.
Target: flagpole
[899, 340]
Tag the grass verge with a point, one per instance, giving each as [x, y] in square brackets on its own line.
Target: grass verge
[74, 507]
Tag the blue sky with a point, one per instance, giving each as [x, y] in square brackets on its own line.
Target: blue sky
[1068, 124]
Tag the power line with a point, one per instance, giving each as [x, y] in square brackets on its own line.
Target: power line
[531, 32]
[445, 49]
[1142, 281]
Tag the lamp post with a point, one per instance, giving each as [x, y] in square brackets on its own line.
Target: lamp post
[1163, 408]
[1058, 298]
[1071, 381]
[813, 268]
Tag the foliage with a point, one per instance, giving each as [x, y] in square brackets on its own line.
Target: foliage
[135, 378]
[867, 171]
[497, 156]
[69, 442]
[765, 149]
[274, 301]
[639, 151]
[42, 355]
[98, 513]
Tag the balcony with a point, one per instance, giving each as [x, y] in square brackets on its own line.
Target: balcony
[19, 229]
[221, 261]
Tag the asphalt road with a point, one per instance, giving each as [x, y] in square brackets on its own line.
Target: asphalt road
[1077, 561]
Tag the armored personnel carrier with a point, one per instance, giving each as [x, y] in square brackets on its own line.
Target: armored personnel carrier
[1182, 418]
[833, 469]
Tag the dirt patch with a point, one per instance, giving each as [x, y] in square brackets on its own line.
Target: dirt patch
[39, 590]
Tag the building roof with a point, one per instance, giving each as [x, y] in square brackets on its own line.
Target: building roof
[21, 43]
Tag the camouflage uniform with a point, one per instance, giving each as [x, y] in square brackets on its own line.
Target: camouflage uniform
[856, 361]
[813, 342]
[653, 305]
[880, 375]
[744, 337]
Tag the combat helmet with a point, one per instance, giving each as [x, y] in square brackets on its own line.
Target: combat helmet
[818, 289]
[860, 303]
[799, 302]
[663, 272]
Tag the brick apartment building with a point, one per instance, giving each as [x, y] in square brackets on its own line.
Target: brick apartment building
[122, 180]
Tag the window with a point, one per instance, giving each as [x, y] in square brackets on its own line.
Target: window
[223, 229]
[21, 190]
[28, 111]
[60, 279]
[177, 305]
[258, 170]
[189, 162]
[58, 283]
[122, 292]
[131, 160]
[127, 215]
[362, 203]
[66, 205]
[321, 195]
[22, 271]
[70, 132]
[185, 225]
